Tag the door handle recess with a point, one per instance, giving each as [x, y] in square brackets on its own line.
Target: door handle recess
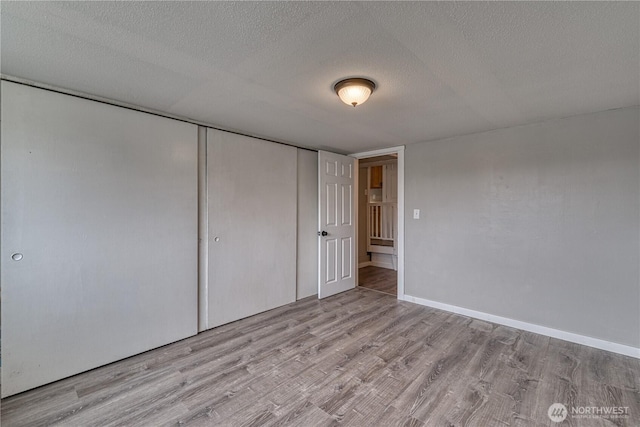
[322, 233]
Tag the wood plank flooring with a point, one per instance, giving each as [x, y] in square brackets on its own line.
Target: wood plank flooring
[360, 358]
[378, 279]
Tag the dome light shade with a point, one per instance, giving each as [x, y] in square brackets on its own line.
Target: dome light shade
[354, 91]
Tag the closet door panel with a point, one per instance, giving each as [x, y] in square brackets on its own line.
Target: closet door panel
[252, 198]
[101, 202]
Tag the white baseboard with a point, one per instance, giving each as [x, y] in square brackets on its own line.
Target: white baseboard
[387, 265]
[530, 327]
[376, 264]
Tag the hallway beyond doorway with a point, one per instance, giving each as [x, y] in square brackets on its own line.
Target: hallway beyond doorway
[379, 279]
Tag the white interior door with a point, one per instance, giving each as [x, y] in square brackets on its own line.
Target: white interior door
[337, 228]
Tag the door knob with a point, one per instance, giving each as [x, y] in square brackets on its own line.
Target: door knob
[322, 233]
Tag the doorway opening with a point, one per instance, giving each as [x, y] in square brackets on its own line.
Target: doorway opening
[380, 224]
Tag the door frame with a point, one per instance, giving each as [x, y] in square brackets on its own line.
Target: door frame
[399, 150]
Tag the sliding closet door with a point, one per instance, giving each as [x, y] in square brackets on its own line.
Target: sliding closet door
[251, 187]
[99, 234]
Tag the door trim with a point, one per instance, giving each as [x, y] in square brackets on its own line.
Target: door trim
[399, 150]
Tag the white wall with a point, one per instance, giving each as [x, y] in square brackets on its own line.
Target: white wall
[307, 223]
[536, 223]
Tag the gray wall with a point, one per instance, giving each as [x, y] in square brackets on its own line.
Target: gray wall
[307, 223]
[536, 223]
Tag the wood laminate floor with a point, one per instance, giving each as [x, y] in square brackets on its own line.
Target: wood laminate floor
[360, 358]
[378, 279]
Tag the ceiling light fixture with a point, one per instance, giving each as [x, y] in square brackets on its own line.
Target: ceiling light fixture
[354, 91]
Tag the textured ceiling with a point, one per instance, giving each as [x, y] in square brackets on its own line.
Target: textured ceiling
[267, 68]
